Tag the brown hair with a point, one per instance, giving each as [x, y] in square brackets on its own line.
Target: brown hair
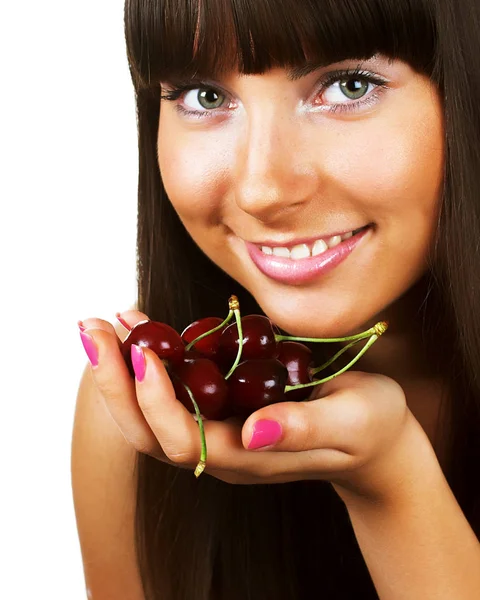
[204, 539]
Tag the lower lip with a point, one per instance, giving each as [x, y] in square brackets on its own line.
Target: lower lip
[286, 270]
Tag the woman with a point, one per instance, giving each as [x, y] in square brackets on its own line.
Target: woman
[266, 126]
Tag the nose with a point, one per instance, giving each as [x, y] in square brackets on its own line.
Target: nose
[273, 172]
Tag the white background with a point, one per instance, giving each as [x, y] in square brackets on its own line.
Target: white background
[68, 176]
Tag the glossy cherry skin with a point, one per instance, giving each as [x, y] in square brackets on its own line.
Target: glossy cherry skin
[256, 383]
[209, 345]
[192, 354]
[258, 340]
[299, 360]
[160, 338]
[208, 387]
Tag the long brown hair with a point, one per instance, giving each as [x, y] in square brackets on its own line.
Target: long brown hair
[205, 539]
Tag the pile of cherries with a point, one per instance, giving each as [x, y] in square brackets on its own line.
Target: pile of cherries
[219, 377]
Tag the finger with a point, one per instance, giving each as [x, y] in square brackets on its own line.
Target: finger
[113, 380]
[120, 329]
[333, 422]
[94, 323]
[131, 318]
[175, 427]
[172, 424]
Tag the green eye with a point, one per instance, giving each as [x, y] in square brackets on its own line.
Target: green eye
[354, 88]
[208, 98]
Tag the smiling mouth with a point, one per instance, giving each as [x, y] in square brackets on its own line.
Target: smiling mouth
[308, 248]
[298, 269]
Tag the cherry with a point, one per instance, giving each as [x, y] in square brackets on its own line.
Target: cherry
[267, 368]
[159, 337]
[192, 355]
[256, 383]
[258, 339]
[298, 359]
[208, 346]
[207, 385]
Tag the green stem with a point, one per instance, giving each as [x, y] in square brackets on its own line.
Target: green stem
[377, 329]
[372, 340]
[203, 456]
[329, 362]
[240, 343]
[200, 337]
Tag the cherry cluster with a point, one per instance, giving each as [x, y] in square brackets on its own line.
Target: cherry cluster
[224, 369]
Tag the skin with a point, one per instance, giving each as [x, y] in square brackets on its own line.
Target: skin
[295, 168]
[272, 162]
[274, 167]
[282, 169]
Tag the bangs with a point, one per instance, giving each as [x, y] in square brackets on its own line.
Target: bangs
[171, 39]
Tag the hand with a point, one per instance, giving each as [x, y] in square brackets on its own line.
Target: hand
[348, 432]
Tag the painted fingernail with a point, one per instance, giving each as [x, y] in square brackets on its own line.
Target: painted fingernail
[265, 433]
[138, 362]
[90, 348]
[122, 321]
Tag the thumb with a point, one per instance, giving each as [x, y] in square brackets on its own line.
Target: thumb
[291, 427]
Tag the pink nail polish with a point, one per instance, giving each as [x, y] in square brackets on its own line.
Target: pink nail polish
[138, 362]
[265, 433]
[90, 348]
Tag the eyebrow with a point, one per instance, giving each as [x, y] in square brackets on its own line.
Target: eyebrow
[299, 72]
[304, 70]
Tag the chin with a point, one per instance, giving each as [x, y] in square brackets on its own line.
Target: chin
[314, 327]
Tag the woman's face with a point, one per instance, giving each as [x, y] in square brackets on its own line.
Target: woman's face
[279, 161]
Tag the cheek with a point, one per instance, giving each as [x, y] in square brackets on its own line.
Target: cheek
[191, 173]
[401, 168]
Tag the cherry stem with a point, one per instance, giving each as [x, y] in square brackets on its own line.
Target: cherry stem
[227, 320]
[203, 456]
[240, 338]
[316, 370]
[377, 329]
[123, 322]
[371, 341]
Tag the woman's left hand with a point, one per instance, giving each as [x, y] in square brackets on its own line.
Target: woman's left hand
[355, 431]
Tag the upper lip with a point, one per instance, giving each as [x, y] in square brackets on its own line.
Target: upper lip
[298, 241]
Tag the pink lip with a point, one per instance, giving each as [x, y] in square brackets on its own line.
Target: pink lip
[290, 271]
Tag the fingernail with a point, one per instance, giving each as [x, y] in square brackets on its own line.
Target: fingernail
[138, 362]
[122, 321]
[90, 348]
[265, 433]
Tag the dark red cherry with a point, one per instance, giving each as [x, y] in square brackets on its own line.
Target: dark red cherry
[208, 346]
[299, 360]
[192, 354]
[258, 340]
[256, 383]
[160, 338]
[208, 387]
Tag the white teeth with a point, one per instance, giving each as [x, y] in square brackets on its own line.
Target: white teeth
[319, 247]
[303, 251]
[334, 241]
[300, 251]
[282, 252]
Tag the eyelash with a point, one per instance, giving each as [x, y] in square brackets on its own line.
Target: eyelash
[177, 91]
